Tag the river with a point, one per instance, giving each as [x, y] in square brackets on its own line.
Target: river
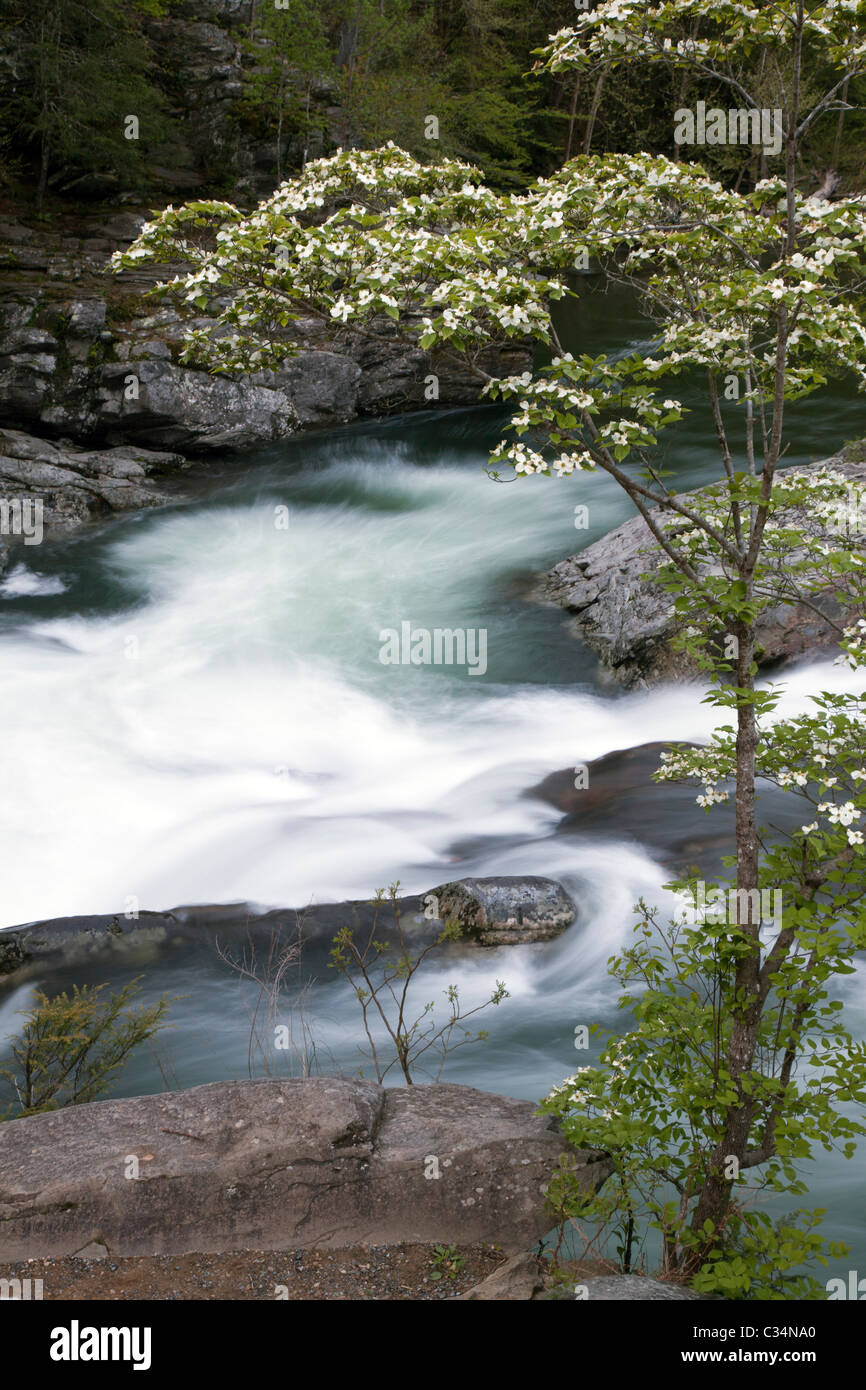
[195, 711]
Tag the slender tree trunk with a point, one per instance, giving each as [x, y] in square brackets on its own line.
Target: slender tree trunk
[715, 1195]
[280, 104]
[593, 111]
[840, 125]
[572, 115]
[714, 1201]
[44, 164]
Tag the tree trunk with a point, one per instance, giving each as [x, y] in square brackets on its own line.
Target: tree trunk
[593, 111]
[715, 1195]
[44, 164]
[840, 126]
[572, 117]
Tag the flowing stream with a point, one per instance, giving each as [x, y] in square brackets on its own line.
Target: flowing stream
[195, 711]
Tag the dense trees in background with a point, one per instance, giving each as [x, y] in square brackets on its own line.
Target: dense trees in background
[317, 73]
[73, 71]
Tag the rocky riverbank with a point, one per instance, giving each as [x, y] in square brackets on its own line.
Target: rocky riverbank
[94, 398]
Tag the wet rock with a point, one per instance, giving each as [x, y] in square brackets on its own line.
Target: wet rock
[617, 799]
[58, 943]
[503, 911]
[283, 1165]
[625, 617]
[78, 939]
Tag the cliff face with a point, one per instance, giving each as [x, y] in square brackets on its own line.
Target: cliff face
[208, 69]
[89, 357]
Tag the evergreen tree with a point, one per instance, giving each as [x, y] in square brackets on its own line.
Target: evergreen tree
[81, 96]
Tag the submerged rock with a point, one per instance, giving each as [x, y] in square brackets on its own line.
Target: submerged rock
[616, 799]
[280, 1165]
[503, 911]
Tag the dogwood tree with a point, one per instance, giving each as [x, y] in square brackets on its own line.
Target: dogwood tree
[762, 289]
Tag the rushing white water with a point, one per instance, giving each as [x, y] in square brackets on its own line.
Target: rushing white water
[233, 734]
[22, 582]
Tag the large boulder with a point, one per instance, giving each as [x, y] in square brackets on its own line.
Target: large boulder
[615, 798]
[495, 911]
[179, 408]
[503, 911]
[280, 1165]
[624, 616]
[76, 939]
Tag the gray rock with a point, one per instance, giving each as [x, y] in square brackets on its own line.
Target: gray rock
[624, 616]
[151, 347]
[322, 387]
[77, 485]
[279, 1165]
[123, 226]
[519, 1279]
[79, 939]
[503, 911]
[632, 1287]
[13, 231]
[86, 317]
[180, 408]
[28, 340]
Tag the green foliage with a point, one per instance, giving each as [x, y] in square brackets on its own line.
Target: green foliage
[776, 57]
[447, 1262]
[289, 51]
[80, 68]
[72, 1046]
[381, 973]
[659, 1097]
[390, 68]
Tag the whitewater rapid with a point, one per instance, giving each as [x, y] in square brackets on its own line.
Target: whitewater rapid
[229, 733]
